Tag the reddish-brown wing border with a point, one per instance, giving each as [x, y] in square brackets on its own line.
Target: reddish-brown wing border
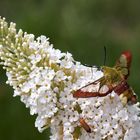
[85, 94]
[120, 88]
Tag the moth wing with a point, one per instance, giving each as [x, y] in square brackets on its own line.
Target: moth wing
[124, 62]
[89, 90]
[92, 90]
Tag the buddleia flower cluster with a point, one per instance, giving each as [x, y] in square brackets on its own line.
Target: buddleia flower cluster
[45, 79]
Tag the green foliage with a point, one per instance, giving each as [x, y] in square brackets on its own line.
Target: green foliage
[79, 26]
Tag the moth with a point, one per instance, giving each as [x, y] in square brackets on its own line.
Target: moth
[114, 79]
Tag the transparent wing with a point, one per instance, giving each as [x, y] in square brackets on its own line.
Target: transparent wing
[94, 89]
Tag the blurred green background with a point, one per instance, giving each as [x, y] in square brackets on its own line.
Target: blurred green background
[82, 27]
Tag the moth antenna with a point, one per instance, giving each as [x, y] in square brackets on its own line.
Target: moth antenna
[104, 55]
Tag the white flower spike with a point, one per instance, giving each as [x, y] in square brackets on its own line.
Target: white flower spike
[45, 79]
